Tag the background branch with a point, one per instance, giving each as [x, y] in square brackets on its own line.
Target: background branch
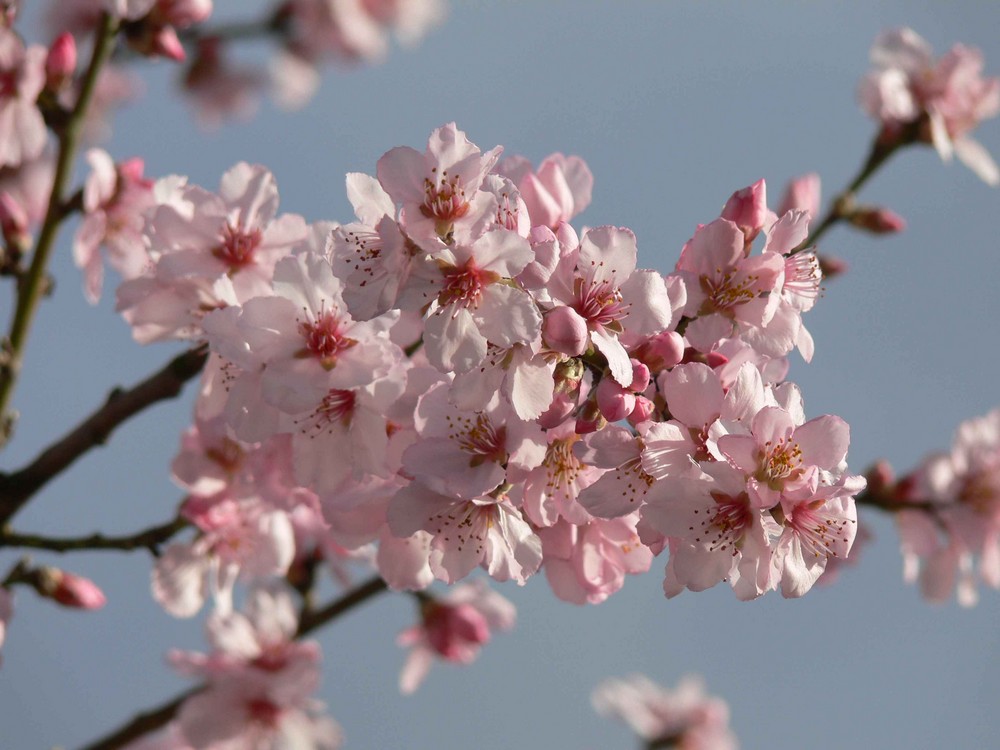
[17, 488]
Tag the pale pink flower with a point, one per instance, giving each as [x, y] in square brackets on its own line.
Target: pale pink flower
[908, 84]
[586, 563]
[802, 194]
[683, 718]
[475, 303]
[115, 199]
[554, 193]
[440, 189]
[237, 539]
[23, 134]
[551, 491]
[960, 543]
[487, 531]
[599, 281]
[453, 627]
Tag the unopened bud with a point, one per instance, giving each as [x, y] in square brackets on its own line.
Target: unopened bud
[831, 265]
[61, 62]
[451, 629]
[590, 419]
[640, 377]
[877, 220]
[662, 351]
[614, 401]
[564, 330]
[70, 590]
[747, 208]
[14, 225]
[643, 411]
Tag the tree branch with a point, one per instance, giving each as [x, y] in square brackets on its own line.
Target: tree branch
[32, 286]
[150, 539]
[17, 488]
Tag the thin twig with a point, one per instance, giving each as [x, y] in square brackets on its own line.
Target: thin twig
[18, 487]
[150, 539]
[33, 283]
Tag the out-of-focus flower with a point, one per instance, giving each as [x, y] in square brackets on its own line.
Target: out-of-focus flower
[682, 718]
[946, 97]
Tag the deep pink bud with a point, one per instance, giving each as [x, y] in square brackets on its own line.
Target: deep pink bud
[643, 411]
[614, 401]
[662, 351]
[715, 359]
[590, 419]
[165, 43]
[747, 208]
[70, 590]
[877, 220]
[640, 377]
[565, 330]
[452, 629]
[61, 61]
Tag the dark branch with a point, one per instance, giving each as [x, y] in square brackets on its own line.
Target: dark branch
[17, 488]
[150, 539]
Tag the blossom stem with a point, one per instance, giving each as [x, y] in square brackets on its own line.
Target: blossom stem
[160, 716]
[150, 539]
[33, 283]
[18, 487]
[882, 148]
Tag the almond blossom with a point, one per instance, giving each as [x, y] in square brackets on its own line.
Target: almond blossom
[683, 718]
[22, 76]
[453, 627]
[948, 97]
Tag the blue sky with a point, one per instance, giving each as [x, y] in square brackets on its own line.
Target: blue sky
[674, 106]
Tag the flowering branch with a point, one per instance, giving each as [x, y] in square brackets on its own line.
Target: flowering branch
[17, 488]
[843, 204]
[150, 539]
[32, 284]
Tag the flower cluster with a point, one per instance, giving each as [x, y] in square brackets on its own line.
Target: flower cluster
[949, 514]
[560, 409]
[944, 99]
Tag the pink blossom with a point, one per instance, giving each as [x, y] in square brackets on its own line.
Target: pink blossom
[23, 134]
[554, 193]
[487, 531]
[683, 718]
[115, 198]
[440, 189]
[70, 590]
[949, 95]
[586, 563]
[599, 281]
[802, 194]
[453, 627]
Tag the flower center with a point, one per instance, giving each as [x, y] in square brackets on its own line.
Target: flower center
[600, 303]
[782, 460]
[324, 338]
[463, 285]
[237, 246]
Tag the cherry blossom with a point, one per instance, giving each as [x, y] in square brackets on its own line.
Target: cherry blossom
[948, 97]
[453, 627]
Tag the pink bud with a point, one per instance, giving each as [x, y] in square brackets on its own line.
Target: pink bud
[562, 406]
[71, 590]
[590, 419]
[614, 401]
[877, 220]
[643, 411]
[747, 208]
[13, 222]
[802, 194]
[61, 61]
[565, 331]
[831, 265]
[662, 351]
[640, 377]
[165, 43]
[451, 629]
[715, 359]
